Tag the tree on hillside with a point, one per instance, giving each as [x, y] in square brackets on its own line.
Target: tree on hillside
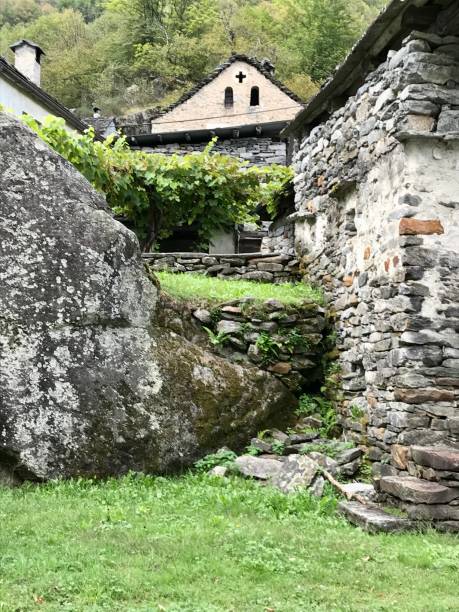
[125, 55]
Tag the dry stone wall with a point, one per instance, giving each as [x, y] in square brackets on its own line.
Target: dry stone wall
[256, 151]
[263, 267]
[378, 226]
[280, 238]
[289, 341]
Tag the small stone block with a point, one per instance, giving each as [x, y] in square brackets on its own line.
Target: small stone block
[415, 227]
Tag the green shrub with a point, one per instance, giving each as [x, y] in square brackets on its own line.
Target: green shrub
[156, 193]
[223, 457]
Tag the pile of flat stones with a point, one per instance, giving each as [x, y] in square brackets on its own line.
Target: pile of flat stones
[262, 267]
[428, 497]
[289, 463]
[242, 322]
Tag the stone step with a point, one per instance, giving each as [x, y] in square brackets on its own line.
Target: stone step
[373, 519]
[411, 489]
[436, 457]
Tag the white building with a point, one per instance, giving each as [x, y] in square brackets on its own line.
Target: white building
[20, 90]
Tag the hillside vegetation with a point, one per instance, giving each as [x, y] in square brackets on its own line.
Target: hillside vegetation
[124, 55]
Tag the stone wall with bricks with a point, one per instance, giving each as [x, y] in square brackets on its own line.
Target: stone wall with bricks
[263, 267]
[377, 201]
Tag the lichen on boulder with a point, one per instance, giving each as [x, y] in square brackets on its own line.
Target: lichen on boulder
[89, 385]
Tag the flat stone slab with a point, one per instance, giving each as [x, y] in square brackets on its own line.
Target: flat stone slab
[447, 526]
[411, 489]
[373, 520]
[437, 457]
[254, 467]
[432, 512]
[297, 472]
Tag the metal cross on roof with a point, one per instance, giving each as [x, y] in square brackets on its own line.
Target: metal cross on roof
[241, 76]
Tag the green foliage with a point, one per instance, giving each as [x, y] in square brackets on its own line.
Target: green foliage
[124, 55]
[277, 447]
[356, 412]
[156, 193]
[318, 405]
[217, 339]
[294, 340]
[307, 406]
[268, 346]
[331, 449]
[223, 457]
[253, 451]
[205, 289]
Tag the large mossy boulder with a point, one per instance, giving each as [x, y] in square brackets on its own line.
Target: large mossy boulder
[89, 385]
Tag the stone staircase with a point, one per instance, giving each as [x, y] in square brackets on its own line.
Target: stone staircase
[430, 496]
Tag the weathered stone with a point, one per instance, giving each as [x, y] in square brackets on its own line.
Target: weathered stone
[400, 456]
[448, 121]
[219, 471]
[282, 368]
[91, 385]
[432, 512]
[229, 327]
[262, 445]
[270, 267]
[373, 519]
[418, 396]
[447, 526]
[317, 487]
[209, 261]
[300, 438]
[232, 311]
[439, 458]
[203, 316]
[453, 425]
[364, 489]
[350, 469]
[296, 473]
[258, 275]
[414, 227]
[255, 467]
[273, 305]
[348, 455]
[417, 491]
[278, 435]
[327, 463]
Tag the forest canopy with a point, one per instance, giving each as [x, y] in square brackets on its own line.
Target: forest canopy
[127, 55]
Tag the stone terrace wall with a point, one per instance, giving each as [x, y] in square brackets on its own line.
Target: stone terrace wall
[270, 268]
[299, 332]
[377, 198]
[257, 151]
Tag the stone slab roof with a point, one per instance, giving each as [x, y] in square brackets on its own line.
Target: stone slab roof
[387, 32]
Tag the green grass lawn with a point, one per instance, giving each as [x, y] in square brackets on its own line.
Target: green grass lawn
[199, 544]
[215, 290]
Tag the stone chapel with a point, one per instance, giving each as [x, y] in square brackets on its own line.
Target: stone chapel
[241, 102]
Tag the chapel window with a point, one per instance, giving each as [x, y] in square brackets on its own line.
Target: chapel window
[255, 96]
[229, 100]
